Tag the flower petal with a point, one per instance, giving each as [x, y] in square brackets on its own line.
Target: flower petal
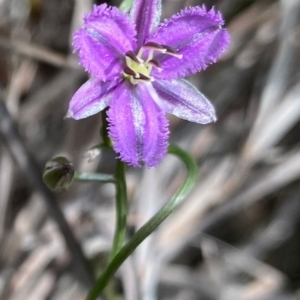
[197, 35]
[106, 35]
[182, 99]
[92, 97]
[146, 15]
[138, 127]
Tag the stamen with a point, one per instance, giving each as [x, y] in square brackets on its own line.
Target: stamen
[142, 77]
[130, 72]
[132, 80]
[154, 46]
[138, 69]
[177, 55]
[172, 52]
[135, 58]
[155, 63]
[140, 53]
[145, 78]
[150, 55]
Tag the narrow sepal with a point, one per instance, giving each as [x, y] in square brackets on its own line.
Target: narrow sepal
[138, 127]
[92, 97]
[146, 15]
[106, 35]
[197, 37]
[182, 99]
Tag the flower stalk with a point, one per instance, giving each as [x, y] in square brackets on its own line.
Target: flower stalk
[121, 209]
[151, 225]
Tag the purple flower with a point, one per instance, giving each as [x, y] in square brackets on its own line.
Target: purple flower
[137, 68]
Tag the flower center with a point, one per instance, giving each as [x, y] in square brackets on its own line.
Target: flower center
[138, 68]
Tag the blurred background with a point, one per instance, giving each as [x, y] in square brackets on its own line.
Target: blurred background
[237, 236]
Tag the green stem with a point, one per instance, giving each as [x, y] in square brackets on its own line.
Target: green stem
[151, 225]
[105, 178]
[121, 209]
[106, 142]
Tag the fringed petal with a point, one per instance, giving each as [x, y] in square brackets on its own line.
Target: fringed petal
[146, 15]
[194, 33]
[106, 35]
[156, 130]
[92, 97]
[182, 99]
[138, 127]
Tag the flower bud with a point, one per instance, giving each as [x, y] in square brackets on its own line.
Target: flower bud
[58, 174]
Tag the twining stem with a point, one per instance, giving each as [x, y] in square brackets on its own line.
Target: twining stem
[151, 225]
[121, 209]
[105, 178]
